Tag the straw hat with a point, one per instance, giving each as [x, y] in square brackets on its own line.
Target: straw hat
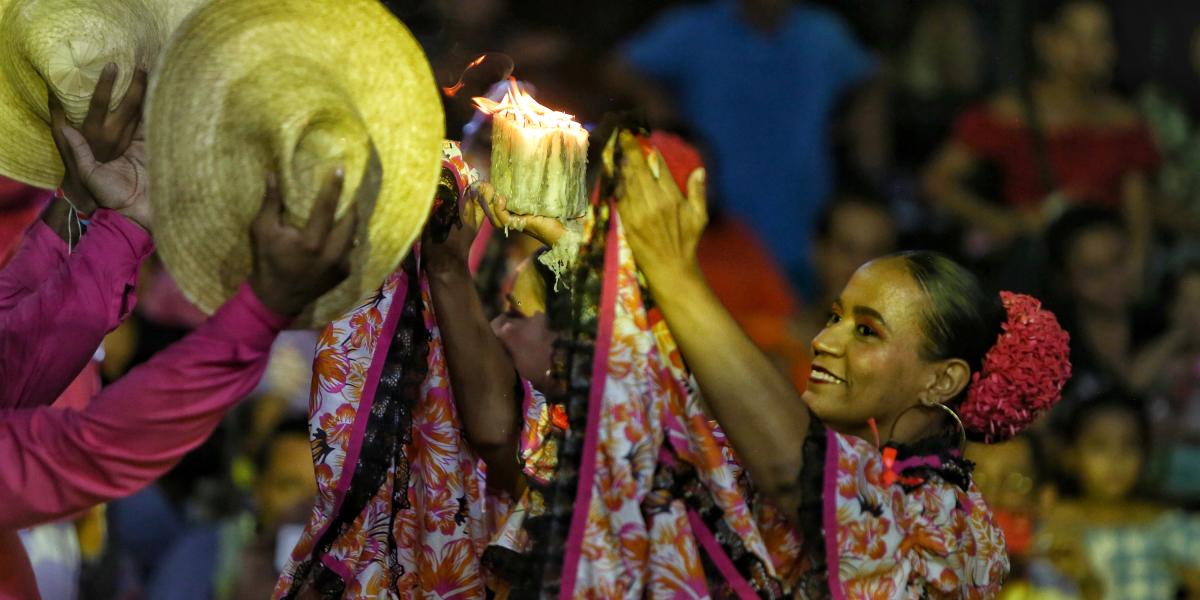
[63, 45]
[298, 87]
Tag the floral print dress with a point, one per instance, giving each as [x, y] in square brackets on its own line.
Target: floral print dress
[401, 508]
[664, 510]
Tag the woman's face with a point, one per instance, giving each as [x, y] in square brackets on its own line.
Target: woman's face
[1079, 45]
[1109, 455]
[867, 362]
[1099, 272]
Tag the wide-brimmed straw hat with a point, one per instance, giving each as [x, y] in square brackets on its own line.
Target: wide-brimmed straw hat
[61, 46]
[299, 88]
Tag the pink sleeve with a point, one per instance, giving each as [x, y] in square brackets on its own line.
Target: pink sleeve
[39, 254]
[51, 331]
[57, 462]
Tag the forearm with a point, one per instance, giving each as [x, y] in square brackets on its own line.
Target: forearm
[757, 407]
[1138, 216]
[482, 374]
[1150, 364]
[39, 255]
[48, 336]
[56, 463]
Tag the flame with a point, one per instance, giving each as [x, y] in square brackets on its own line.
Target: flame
[452, 90]
[519, 107]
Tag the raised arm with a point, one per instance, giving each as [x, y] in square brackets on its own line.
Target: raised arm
[50, 334]
[944, 181]
[757, 407]
[55, 309]
[55, 463]
[482, 375]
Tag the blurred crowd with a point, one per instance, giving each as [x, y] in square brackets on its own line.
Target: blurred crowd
[1050, 145]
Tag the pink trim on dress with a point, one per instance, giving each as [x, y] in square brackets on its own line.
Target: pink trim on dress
[829, 506]
[587, 467]
[363, 413]
[721, 560]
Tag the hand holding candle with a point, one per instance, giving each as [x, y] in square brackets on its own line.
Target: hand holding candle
[539, 156]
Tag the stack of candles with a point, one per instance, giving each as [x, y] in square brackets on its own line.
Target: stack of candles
[539, 156]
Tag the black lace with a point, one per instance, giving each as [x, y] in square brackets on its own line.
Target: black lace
[388, 431]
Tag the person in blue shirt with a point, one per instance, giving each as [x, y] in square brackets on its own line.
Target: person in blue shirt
[758, 81]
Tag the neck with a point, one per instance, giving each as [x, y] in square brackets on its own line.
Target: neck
[1103, 316]
[1062, 92]
[766, 20]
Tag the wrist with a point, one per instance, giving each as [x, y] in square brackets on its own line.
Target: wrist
[445, 265]
[273, 299]
[674, 278]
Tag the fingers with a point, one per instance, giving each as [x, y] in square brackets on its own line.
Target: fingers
[321, 218]
[130, 110]
[79, 150]
[472, 215]
[483, 197]
[58, 123]
[697, 192]
[270, 214]
[340, 241]
[101, 97]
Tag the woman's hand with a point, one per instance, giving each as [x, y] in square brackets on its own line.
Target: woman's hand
[293, 267]
[662, 226]
[546, 230]
[455, 251]
[105, 159]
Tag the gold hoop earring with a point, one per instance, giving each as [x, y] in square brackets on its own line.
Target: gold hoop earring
[962, 430]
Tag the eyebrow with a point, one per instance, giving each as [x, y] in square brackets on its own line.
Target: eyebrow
[864, 311]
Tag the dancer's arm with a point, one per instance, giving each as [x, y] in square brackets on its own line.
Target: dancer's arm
[55, 463]
[482, 375]
[49, 335]
[58, 462]
[756, 406]
[56, 309]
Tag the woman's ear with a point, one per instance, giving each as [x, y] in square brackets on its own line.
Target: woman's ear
[950, 378]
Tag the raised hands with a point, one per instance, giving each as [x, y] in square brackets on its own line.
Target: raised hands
[105, 159]
[293, 267]
[546, 230]
[662, 226]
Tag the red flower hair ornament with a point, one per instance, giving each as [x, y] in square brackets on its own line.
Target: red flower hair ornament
[1023, 374]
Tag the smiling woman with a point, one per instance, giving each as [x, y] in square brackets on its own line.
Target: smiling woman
[914, 350]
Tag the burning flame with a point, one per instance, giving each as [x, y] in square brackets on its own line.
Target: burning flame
[519, 107]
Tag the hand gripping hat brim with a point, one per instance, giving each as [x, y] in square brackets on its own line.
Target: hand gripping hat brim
[299, 88]
[61, 46]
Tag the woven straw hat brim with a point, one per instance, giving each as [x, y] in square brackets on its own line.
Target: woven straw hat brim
[298, 87]
[62, 45]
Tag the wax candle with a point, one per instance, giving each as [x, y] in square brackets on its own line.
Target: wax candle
[539, 156]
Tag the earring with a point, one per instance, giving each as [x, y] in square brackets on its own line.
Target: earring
[962, 430]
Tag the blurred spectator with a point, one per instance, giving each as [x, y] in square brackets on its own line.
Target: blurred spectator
[1177, 206]
[1011, 476]
[1062, 139]
[939, 68]
[758, 81]
[1167, 371]
[1093, 270]
[1105, 535]
[241, 557]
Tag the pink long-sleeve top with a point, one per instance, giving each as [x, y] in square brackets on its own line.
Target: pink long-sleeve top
[55, 463]
[55, 309]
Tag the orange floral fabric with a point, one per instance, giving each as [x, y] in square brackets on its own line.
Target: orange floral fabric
[421, 542]
[934, 541]
[638, 541]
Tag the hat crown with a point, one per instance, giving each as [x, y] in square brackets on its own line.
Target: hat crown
[67, 43]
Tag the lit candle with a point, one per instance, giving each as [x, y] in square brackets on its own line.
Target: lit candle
[539, 156]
